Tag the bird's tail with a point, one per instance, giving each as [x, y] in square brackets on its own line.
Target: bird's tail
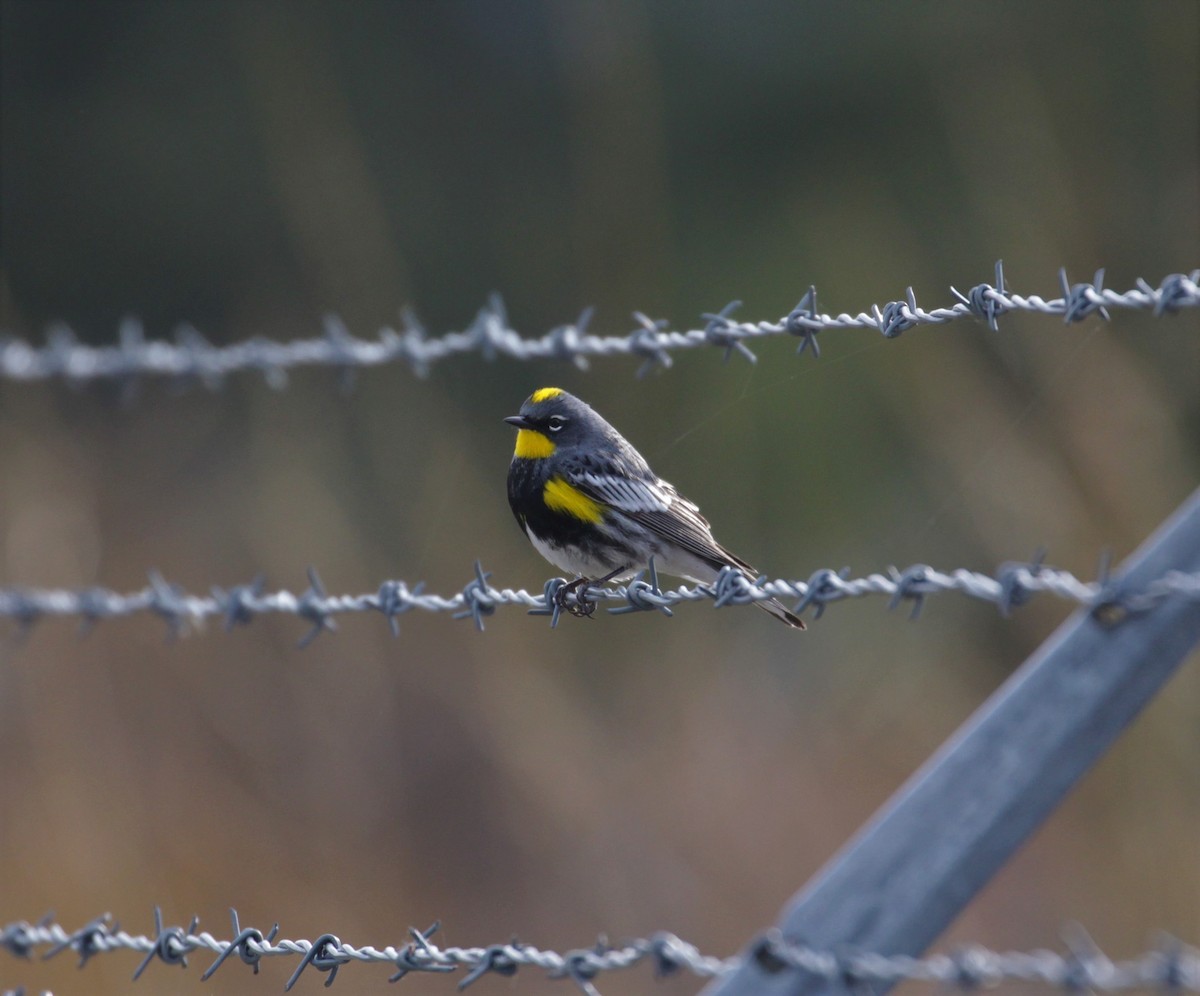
[777, 609]
[771, 605]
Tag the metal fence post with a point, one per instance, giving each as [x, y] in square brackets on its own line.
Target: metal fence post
[902, 879]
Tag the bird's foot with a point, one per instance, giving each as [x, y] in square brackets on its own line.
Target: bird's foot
[582, 607]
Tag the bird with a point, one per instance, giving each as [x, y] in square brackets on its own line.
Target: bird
[590, 504]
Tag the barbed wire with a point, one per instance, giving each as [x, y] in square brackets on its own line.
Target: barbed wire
[1013, 585]
[191, 358]
[1172, 966]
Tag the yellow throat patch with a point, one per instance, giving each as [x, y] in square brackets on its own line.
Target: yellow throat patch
[532, 445]
[560, 496]
[545, 394]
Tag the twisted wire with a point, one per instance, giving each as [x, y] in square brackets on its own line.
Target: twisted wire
[1171, 966]
[1013, 585]
[191, 358]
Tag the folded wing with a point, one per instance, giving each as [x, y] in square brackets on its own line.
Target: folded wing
[658, 507]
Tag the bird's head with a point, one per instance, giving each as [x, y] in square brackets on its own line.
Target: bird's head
[551, 419]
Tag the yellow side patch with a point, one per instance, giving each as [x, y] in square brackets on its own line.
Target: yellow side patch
[532, 445]
[545, 394]
[560, 496]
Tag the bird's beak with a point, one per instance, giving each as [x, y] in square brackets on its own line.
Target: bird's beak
[520, 421]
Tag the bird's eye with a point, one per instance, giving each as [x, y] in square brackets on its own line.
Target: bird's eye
[555, 422]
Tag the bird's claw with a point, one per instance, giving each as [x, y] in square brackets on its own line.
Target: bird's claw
[582, 607]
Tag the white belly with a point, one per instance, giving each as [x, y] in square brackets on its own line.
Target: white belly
[673, 562]
[569, 560]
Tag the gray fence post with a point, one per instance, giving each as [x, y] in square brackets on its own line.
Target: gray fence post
[897, 885]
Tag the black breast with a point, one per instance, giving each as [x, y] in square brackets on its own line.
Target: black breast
[526, 481]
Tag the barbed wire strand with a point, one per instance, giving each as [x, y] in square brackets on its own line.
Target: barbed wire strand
[1013, 585]
[1172, 966]
[191, 358]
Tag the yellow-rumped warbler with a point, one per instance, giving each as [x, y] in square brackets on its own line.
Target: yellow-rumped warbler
[591, 505]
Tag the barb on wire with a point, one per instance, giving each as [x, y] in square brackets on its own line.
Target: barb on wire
[1171, 966]
[193, 359]
[1012, 585]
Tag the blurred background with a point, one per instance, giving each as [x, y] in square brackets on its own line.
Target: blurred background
[250, 167]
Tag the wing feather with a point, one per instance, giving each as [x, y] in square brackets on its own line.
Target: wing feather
[657, 506]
